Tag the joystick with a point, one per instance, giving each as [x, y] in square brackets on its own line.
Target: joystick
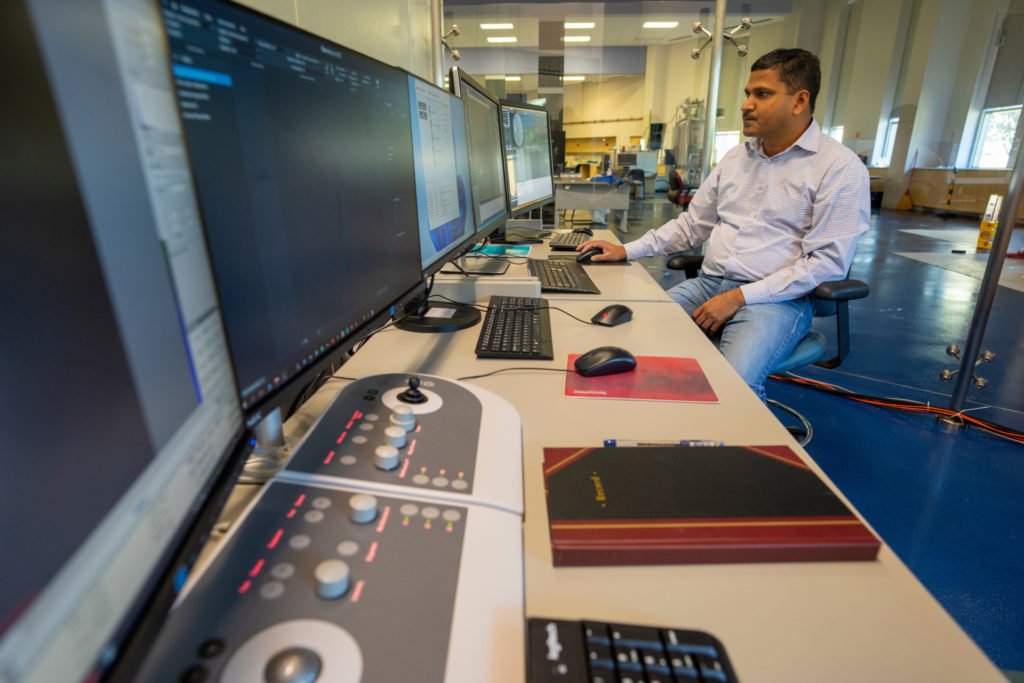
[413, 393]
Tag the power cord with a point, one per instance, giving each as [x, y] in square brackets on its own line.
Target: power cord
[495, 372]
[905, 404]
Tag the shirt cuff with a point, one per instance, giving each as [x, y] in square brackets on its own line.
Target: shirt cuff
[637, 249]
[756, 292]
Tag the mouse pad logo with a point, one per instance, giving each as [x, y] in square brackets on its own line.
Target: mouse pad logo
[656, 378]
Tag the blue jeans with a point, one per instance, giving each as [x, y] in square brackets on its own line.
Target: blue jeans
[758, 336]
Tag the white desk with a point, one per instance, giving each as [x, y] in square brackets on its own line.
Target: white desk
[843, 621]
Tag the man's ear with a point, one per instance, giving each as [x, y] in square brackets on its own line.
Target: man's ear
[802, 102]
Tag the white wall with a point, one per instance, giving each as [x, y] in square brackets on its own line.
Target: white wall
[618, 97]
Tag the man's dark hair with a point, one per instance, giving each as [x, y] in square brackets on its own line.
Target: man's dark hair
[798, 69]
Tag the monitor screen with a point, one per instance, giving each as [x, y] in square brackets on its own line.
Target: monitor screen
[302, 155]
[117, 403]
[444, 197]
[627, 159]
[486, 156]
[527, 137]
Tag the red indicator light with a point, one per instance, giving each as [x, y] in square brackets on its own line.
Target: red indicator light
[372, 552]
[342, 437]
[256, 569]
[291, 513]
[245, 586]
[358, 415]
[357, 591]
[412, 446]
[276, 539]
[405, 468]
[330, 456]
[299, 500]
[384, 518]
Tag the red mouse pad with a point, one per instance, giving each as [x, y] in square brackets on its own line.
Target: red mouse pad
[656, 378]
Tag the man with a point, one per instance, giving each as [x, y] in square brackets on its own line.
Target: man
[781, 214]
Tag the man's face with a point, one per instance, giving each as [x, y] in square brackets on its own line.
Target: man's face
[770, 111]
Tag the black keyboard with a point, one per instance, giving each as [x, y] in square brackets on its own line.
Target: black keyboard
[516, 327]
[566, 241]
[596, 652]
[562, 276]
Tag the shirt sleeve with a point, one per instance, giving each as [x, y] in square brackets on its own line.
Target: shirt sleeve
[840, 214]
[686, 231]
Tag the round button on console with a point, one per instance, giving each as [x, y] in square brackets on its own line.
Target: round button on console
[402, 416]
[385, 457]
[395, 436]
[332, 578]
[362, 508]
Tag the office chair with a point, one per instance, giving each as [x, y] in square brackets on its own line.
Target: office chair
[830, 299]
[679, 193]
[637, 175]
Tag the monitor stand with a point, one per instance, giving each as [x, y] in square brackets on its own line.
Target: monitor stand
[478, 265]
[440, 317]
[522, 231]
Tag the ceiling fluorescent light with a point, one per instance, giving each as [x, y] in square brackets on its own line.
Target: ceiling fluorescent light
[497, 27]
[661, 24]
[579, 24]
[573, 78]
[502, 39]
[513, 78]
[576, 39]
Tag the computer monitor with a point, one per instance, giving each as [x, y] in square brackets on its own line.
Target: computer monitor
[626, 159]
[486, 154]
[445, 200]
[302, 156]
[526, 132]
[121, 422]
[445, 203]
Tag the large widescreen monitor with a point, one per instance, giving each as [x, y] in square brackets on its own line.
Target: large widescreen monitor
[486, 154]
[302, 155]
[527, 136]
[121, 422]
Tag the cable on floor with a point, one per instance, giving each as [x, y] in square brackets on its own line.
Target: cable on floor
[905, 404]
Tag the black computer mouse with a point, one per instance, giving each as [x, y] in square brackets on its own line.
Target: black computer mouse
[605, 360]
[585, 256]
[613, 315]
[585, 231]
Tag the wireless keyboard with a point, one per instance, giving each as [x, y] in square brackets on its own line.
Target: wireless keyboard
[568, 241]
[517, 328]
[596, 652]
[562, 276]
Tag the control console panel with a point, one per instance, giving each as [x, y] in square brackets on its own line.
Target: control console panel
[445, 440]
[339, 585]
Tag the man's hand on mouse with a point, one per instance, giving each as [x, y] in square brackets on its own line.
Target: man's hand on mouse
[609, 251]
[718, 310]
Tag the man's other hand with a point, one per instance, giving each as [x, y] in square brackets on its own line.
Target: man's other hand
[609, 251]
[718, 310]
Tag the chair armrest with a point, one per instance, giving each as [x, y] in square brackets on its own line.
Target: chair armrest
[842, 290]
[690, 263]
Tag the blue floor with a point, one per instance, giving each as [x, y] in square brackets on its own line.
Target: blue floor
[951, 505]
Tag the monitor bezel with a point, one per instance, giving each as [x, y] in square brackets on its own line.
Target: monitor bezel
[456, 78]
[284, 395]
[542, 201]
[460, 248]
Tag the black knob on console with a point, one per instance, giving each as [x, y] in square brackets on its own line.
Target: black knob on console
[413, 393]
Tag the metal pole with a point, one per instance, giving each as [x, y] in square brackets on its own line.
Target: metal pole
[711, 112]
[436, 50]
[1007, 219]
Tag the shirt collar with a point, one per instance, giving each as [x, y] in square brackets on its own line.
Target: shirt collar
[810, 140]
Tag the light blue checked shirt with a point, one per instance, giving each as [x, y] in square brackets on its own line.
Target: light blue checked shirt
[783, 224]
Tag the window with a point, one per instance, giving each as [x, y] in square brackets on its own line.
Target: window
[885, 156]
[996, 131]
[724, 141]
[836, 133]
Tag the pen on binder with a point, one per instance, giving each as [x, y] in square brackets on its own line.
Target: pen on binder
[621, 443]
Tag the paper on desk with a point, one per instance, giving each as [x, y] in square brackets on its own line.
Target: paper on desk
[656, 378]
